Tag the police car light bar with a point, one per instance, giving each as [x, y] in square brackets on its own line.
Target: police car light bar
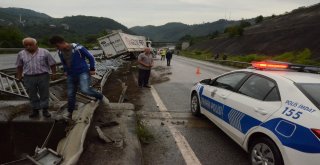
[284, 65]
[269, 65]
[316, 132]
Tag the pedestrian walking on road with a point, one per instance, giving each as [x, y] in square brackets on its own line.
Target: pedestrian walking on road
[169, 57]
[34, 64]
[145, 64]
[163, 54]
[73, 58]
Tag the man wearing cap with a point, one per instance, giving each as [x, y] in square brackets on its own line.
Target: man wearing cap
[34, 64]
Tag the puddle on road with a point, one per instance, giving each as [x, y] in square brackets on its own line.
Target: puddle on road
[20, 138]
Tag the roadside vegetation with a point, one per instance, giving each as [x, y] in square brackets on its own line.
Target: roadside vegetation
[143, 133]
[10, 37]
[199, 55]
[230, 31]
[237, 30]
[299, 57]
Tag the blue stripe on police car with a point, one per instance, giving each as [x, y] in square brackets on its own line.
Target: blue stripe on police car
[290, 134]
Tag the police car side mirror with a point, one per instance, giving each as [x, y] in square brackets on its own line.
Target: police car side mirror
[205, 81]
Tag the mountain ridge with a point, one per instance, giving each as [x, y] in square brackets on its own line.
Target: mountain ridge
[174, 31]
[293, 31]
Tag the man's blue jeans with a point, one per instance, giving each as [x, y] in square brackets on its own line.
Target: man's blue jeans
[83, 80]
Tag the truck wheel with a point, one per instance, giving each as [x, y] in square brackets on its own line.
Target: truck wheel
[195, 105]
[264, 151]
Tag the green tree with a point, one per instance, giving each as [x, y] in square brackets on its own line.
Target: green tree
[44, 42]
[234, 31]
[244, 24]
[214, 34]
[10, 37]
[178, 46]
[92, 38]
[237, 30]
[186, 38]
[258, 19]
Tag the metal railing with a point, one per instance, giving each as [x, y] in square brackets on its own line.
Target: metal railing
[11, 85]
[237, 64]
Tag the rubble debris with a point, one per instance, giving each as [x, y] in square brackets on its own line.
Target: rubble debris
[102, 136]
[178, 122]
[109, 124]
[123, 93]
[118, 143]
[47, 156]
[57, 94]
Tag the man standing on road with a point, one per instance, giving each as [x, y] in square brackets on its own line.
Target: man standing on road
[73, 57]
[163, 54]
[145, 64]
[35, 63]
[169, 57]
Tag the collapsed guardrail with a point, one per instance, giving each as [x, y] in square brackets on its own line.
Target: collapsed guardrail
[13, 86]
[69, 151]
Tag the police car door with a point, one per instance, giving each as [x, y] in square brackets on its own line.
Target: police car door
[253, 104]
[214, 95]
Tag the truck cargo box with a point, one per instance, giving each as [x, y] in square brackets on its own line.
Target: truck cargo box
[121, 43]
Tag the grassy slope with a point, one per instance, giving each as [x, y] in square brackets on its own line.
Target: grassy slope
[301, 57]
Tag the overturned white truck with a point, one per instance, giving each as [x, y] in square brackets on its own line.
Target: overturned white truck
[120, 43]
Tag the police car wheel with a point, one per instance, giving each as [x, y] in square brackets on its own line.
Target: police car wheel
[195, 106]
[265, 151]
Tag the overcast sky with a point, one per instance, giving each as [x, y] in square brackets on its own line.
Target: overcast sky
[158, 12]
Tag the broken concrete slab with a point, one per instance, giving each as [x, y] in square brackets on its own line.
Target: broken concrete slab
[102, 136]
[126, 148]
[120, 106]
[12, 103]
[71, 146]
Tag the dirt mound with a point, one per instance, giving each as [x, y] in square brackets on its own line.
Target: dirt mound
[293, 31]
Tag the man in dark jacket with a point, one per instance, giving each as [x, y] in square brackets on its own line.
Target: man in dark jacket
[73, 57]
[169, 57]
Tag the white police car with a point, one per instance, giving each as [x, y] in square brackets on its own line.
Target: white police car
[270, 110]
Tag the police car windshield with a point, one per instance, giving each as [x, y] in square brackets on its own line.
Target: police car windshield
[312, 91]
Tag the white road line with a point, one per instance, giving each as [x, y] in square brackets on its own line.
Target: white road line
[189, 156]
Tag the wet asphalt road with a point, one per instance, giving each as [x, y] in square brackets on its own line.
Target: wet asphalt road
[208, 142]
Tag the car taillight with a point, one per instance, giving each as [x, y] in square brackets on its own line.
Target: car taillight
[316, 132]
[269, 65]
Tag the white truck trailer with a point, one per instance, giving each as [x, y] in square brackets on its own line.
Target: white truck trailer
[120, 43]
